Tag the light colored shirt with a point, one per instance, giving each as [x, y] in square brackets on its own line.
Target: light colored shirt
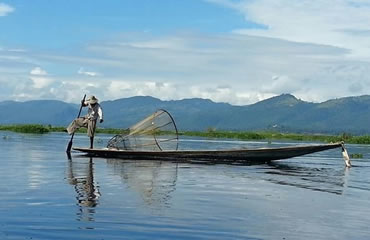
[94, 111]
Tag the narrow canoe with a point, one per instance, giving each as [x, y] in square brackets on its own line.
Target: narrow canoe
[214, 156]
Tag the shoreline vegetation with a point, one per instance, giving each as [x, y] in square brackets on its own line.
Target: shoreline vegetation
[210, 133]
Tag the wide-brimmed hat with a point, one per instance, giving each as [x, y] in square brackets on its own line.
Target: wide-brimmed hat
[92, 99]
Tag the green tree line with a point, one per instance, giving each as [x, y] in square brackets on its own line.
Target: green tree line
[210, 133]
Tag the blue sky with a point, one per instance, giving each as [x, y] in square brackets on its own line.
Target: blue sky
[236, 51]
[64, 23]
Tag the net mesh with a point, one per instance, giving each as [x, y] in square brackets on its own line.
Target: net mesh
[156, 132]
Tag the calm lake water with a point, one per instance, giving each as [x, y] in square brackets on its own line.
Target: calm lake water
[46, 196]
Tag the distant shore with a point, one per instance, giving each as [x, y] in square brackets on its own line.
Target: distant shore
[240, 135]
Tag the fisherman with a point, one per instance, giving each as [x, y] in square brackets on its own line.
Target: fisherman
[88, 121]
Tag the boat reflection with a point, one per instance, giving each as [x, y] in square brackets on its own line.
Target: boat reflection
[319, 178]
[154, 181]
[80, 174]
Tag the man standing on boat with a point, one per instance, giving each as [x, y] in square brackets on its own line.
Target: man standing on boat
[88, 121]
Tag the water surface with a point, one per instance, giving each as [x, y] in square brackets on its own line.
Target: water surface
[47, 196]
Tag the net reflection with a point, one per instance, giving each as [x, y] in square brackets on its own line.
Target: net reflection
[153, 180]
[80, 174]
[324, 179]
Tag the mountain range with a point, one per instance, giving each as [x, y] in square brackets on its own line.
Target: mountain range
[284, 113]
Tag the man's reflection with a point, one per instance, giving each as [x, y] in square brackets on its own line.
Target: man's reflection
[81, 176]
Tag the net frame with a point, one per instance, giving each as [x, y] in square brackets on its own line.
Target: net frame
[135, 139]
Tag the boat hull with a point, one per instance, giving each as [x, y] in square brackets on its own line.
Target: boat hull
[213, 156]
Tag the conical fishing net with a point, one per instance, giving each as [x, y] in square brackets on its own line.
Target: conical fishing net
[156, 132]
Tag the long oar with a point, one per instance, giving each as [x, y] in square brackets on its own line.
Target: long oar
[70, 142]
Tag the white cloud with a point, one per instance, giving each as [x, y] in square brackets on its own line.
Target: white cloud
[41, 82]
[87, 73]
[20, 50]
[39, 78]
[119, 89]
[314, 49]
[252, 68]
[5, 9]
[38, 71]
[341, 23]
[282, 84]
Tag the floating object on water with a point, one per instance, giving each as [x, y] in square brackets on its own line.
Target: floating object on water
[6, 137]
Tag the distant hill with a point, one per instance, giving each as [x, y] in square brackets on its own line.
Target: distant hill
[40, 111]
[282, 113]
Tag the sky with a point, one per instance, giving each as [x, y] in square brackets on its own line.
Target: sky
[234, 51]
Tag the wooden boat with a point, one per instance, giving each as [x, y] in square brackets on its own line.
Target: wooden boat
[232, 156]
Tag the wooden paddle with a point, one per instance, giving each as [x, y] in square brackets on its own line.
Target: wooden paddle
[70, 142]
